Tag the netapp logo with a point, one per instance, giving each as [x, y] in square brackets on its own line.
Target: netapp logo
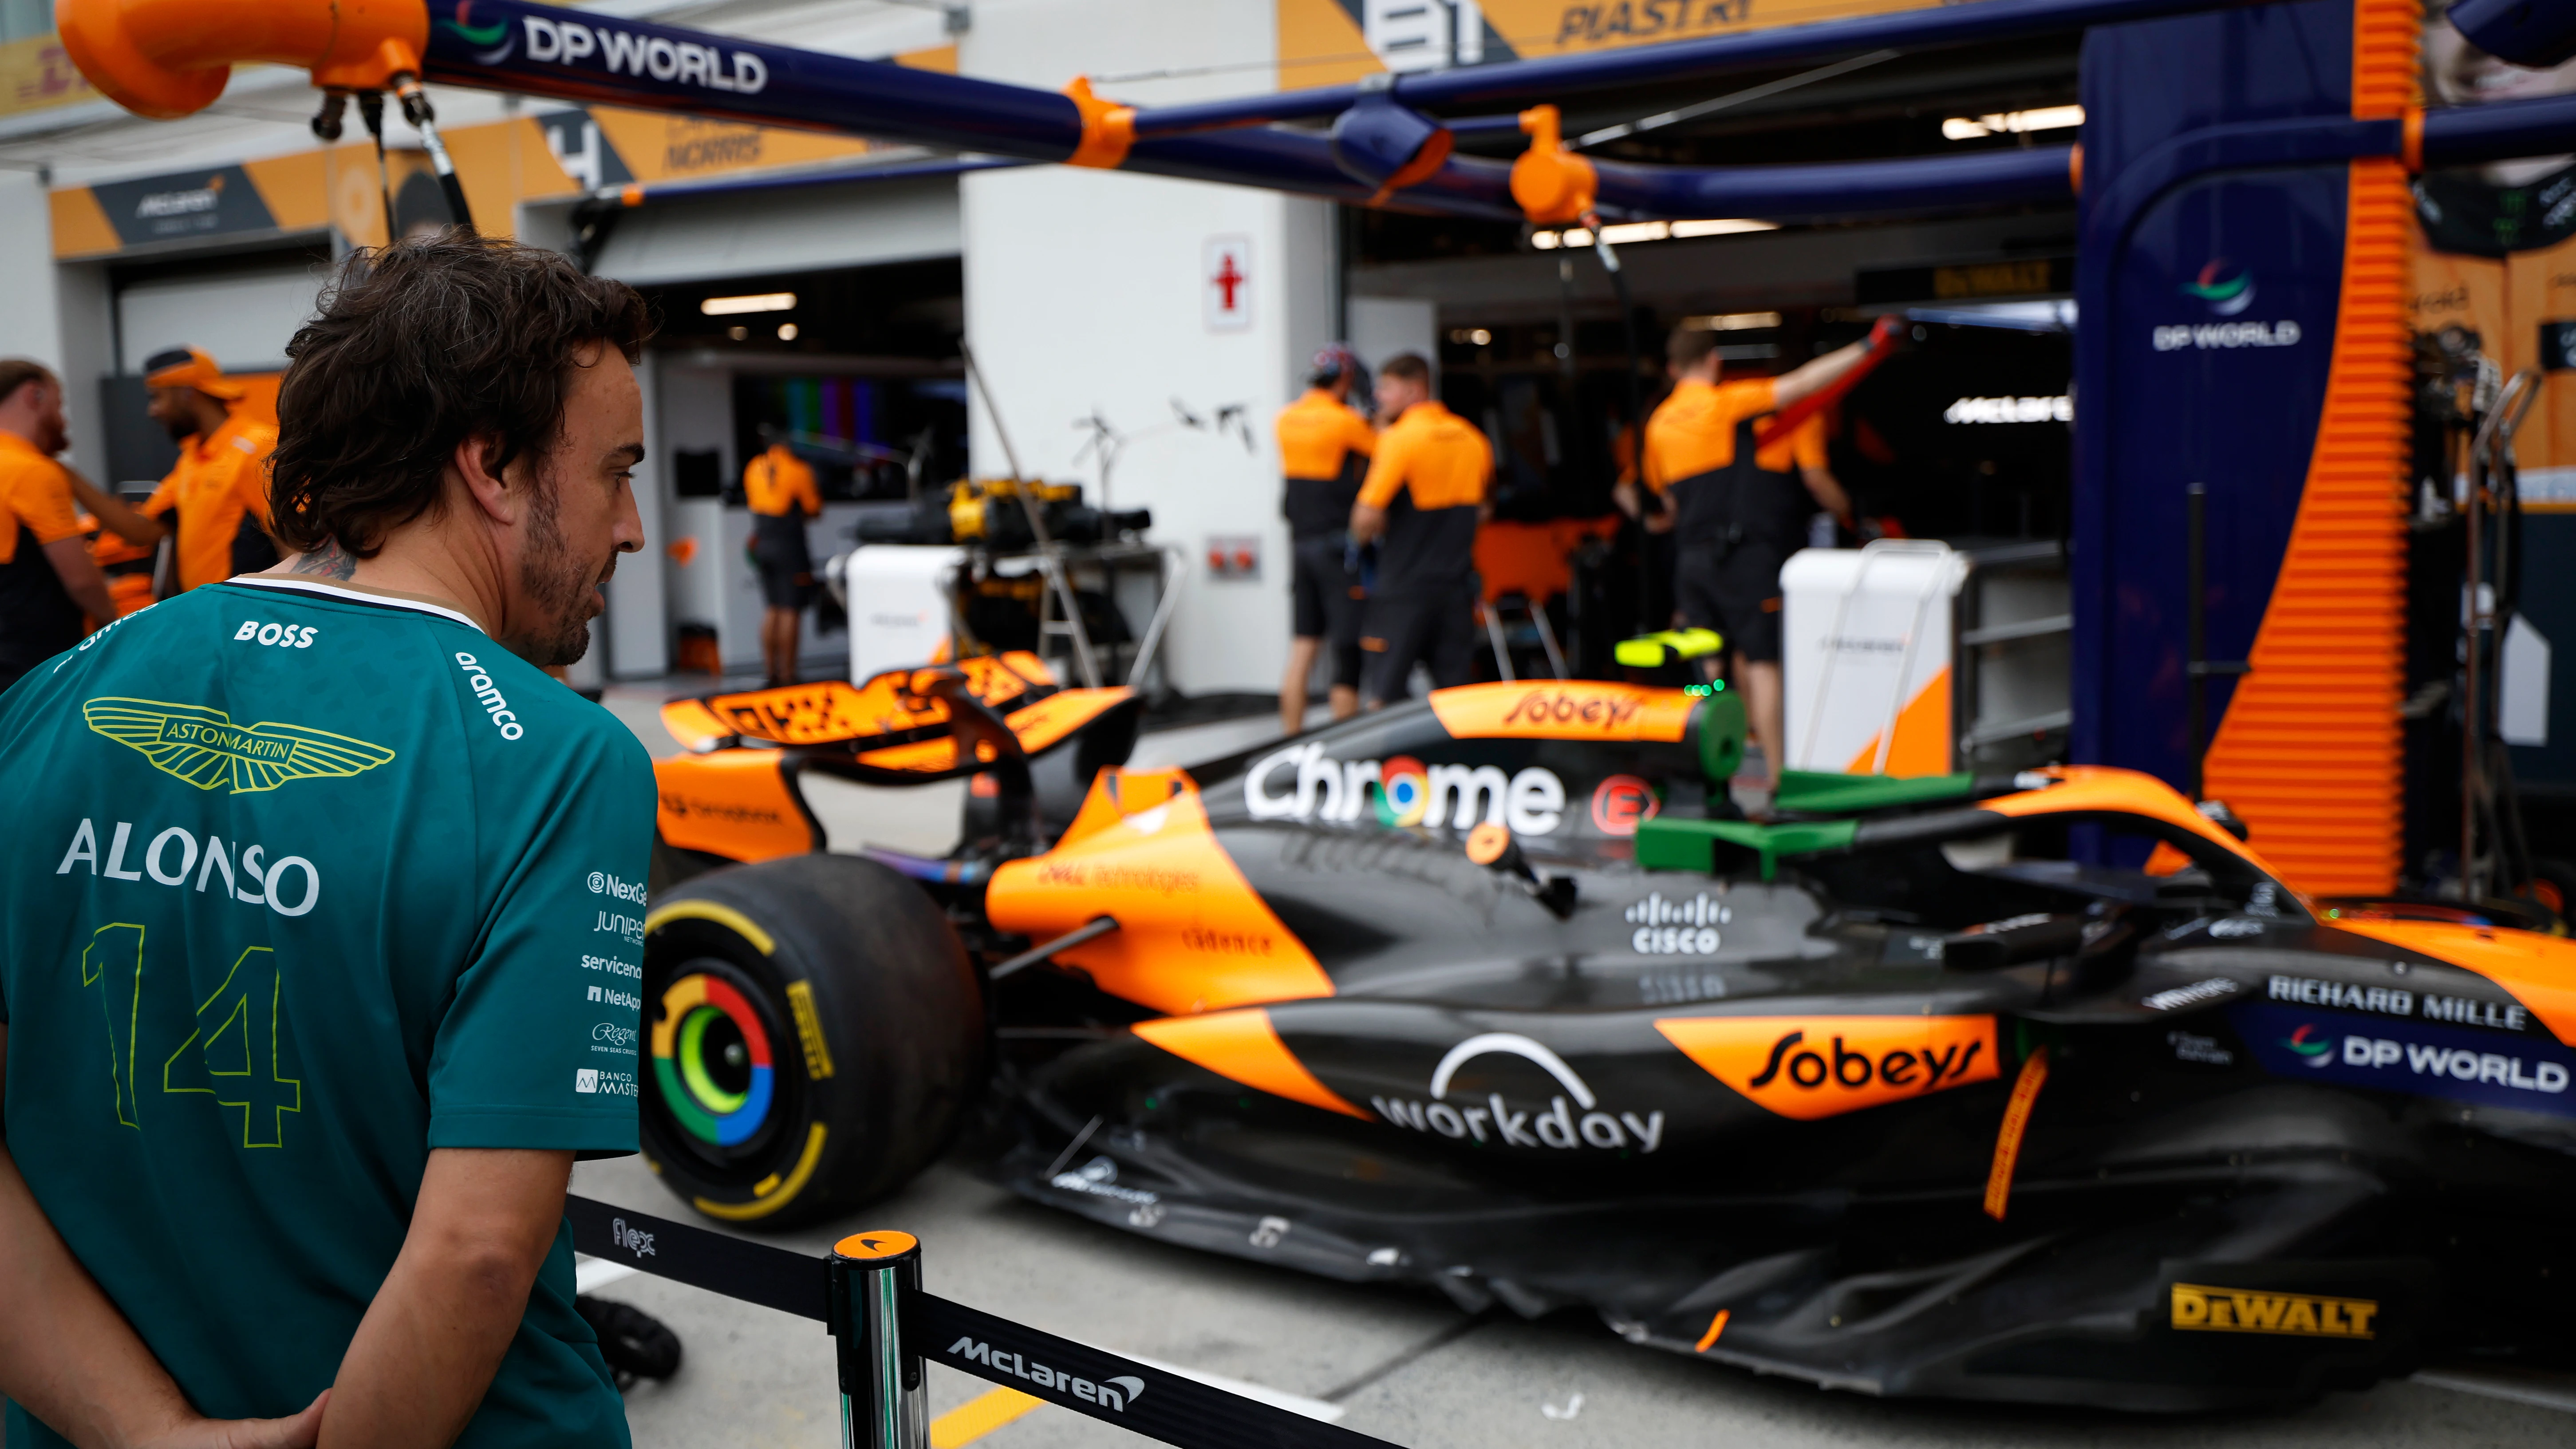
[570, 42]
[1115, 1393]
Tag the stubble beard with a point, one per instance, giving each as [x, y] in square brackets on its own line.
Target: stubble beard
[557, 585]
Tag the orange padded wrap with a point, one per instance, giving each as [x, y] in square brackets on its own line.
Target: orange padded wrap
[694, 725]
[1193, 935]
[2075, 168]
[1108, 129]
[733, 803]
[2539, 970]
[171, 58]
[1562, 709]
[2411, 149]
[1551, 183]
[2308, 751]
[2385, 34]
[1242, 1046]
[2106, 790]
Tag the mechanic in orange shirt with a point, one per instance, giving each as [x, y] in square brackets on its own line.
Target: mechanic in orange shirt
[47, 578]
[1425, 498]
[779, 486]
[215, 500]
[1324, 448]
[1737, 520]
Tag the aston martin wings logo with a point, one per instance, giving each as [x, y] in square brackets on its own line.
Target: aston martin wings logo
[205, 748]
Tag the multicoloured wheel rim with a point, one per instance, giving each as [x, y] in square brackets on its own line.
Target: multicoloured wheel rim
[691, 1086]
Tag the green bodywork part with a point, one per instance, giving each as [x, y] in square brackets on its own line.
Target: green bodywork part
[1817, 792]
[1653, 651]
[1668, 843]
[1720, 722]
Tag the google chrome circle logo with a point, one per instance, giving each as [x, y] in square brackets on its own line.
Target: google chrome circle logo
[1403, 791]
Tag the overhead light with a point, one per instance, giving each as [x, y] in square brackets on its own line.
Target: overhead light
[1725, 227]
[735, 306]
[1627, 233]
[738, 334]
[2007, 123]
[1731, 322]
[786, 331]
[1470, 336]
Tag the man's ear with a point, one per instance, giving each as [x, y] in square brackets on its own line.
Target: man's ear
[471, 463]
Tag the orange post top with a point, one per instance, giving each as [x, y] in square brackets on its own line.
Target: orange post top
[1551, 183]
[171, 58]
[1108, 128]
[876, 1246]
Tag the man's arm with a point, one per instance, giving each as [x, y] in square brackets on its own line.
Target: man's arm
[81, 578]
[1791, 387]
[1828, 491]
[430, 1343]
[120, 517]
[71, 1360]
[1385, 477]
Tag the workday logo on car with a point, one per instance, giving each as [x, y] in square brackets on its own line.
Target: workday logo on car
[2227, 295]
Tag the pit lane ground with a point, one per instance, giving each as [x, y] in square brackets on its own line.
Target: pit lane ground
[1397, 1364]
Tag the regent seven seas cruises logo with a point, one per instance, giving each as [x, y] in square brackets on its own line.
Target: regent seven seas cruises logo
[2227, 295]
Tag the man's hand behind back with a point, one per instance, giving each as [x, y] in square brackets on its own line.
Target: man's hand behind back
[299, 1432]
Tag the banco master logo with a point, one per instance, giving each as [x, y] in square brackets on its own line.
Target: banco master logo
[493, 43]
[1493, 1120]
[2227, 293]
[205, 748]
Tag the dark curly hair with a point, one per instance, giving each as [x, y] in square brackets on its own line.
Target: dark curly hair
[420, 346]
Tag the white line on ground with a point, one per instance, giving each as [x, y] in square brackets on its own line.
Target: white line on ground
[1275, 1398]
[589, 1275]
[2547, 1391]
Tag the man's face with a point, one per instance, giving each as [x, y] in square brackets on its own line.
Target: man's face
[2459, 74]
[52, 433]
[1395, 394]
[174, 408]
[581, 512]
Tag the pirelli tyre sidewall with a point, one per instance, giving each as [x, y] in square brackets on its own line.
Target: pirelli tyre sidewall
[814, 1035]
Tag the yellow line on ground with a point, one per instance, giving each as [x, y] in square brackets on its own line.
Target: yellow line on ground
[979, 1416]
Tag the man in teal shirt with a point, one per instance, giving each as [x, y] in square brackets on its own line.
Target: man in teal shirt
[321, 911]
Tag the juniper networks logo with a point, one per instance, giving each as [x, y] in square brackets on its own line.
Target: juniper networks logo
[2228, 294]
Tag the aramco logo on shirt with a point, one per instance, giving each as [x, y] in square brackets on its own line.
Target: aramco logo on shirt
[2226, 293]
[205, 748]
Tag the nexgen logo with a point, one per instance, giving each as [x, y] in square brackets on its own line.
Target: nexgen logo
[1115, 1393]
[1811, 1067]
[2203, 1309]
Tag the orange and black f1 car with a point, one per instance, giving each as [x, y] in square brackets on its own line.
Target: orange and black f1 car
[1904, 1091]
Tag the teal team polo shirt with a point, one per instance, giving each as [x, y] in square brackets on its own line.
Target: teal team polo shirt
[303, 882]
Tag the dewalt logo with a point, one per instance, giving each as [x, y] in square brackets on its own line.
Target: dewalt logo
[2200, 1308]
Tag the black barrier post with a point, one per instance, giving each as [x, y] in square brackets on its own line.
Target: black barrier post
[869, 1294]
[874, 1278]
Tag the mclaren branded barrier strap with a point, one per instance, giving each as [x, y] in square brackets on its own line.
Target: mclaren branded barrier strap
[869, 1294]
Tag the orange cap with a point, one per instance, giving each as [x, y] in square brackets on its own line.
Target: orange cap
[199, 372]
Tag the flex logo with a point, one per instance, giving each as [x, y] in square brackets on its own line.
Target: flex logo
[1492, 1118]
[1807, 1068]
[638, 1243]
[205, 748]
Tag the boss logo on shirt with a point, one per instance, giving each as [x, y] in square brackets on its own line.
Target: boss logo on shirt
[284, 636]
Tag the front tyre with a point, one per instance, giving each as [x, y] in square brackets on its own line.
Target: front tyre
[815, 1036]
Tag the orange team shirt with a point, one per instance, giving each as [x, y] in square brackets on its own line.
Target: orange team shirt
[35, 494]
[1429, 474]
[1693, 431]
[221, 479]
[1324, 449]
[777, 481]
[1803, 448]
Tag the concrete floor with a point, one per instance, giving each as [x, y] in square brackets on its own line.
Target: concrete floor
[1396, 1364]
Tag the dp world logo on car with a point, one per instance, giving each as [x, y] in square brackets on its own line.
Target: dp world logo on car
[1492, 1119]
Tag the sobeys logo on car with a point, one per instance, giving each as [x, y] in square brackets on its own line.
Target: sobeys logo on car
[1492, 1119]
[2200, 1308]
[1301, 783]
[1823, 1066]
